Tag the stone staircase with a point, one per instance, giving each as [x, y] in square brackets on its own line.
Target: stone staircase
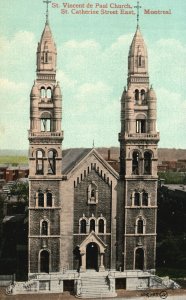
[157, 282]
[95, 285]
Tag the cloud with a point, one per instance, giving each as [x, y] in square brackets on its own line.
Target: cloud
[18, 55]
[167, 64]
[171, 118]
[92, 77]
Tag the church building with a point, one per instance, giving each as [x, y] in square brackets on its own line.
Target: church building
[91, 230]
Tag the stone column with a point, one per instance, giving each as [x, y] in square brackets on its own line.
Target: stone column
[101, 267]
[83, 262]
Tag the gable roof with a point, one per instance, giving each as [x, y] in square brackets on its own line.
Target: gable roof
[74, 157]
[92, 238]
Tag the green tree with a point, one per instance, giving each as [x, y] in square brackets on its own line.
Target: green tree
[21, 190]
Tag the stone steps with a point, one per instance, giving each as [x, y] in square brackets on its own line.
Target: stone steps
[95, 286]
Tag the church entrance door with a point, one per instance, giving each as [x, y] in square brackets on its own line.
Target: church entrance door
[92, 256]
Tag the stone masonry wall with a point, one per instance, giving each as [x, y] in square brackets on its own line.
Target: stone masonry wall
[81, 207]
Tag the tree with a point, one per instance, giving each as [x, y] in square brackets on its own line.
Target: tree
[21, 190]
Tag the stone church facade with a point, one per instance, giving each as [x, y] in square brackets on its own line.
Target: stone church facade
[88, 225]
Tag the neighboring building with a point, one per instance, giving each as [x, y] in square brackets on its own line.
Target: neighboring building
[12, 173]
[91, 229]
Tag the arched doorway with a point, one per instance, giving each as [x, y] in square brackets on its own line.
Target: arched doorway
[92, 256]
[44, 261]
[139, 259]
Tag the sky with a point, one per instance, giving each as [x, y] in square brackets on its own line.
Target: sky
[92, 69]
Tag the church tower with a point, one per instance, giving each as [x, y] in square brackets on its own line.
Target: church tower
[45, 160]
[138, 164]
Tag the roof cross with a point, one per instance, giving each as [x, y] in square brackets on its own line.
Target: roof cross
[138, 9]
[47, 3]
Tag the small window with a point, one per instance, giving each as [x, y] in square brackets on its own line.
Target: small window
[40, 199]
[52, 162]
[46, 57]
[83, 226]
[101, 226]
[147, 163]
[39, 163]
[139, 61]
[46, 122]
[49, 199]
[136, 95]
[44, 228]
[140, 126]
[49, 93]
[142, 95]
[43, 92]
[140, 226]
[145, 199]
[92, 193]
[135, 163]
[137, 199]
[92, 225]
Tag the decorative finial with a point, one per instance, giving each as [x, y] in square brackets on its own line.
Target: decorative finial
[47, 3]
[137, 8]
[93, 144]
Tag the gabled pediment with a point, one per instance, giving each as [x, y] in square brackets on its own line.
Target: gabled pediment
[92, 238]
[77, 161]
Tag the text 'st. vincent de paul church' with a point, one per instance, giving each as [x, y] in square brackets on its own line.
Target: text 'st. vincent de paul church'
[91, 229]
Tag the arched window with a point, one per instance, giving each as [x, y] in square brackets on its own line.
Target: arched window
[39, 162]
[145, 199]
[52, 162]
[92, 193]
[140, 226]
[139, 259]
[44, 261]
[92, 225]
[135, 163]
[43, 92]
[49, 93]
[44, 228]
[137, 199]
[83, 226]
[46, 57]
[49, 199]
[136, 95]
[139, 61]
[101, 226]
[147, 163]
[45, 122]
[142, 95]
[40, 199]
[140, 126]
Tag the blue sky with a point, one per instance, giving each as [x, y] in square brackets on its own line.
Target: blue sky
[92, 69]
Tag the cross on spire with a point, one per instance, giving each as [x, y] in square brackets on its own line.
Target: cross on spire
[47, 3]
[138, 9]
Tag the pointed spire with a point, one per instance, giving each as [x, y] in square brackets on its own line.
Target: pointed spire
[138, 58]
[47, 3]
[46, 50]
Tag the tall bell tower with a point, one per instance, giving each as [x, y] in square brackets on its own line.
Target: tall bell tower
[138, 164]
[45, 160]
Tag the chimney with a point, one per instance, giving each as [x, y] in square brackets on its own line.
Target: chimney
[108, 155]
